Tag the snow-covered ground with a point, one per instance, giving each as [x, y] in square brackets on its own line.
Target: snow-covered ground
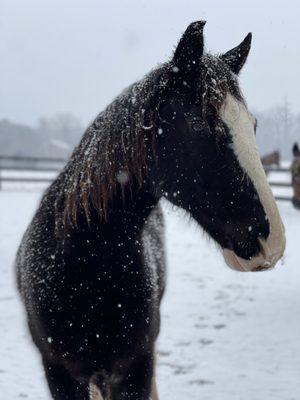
[225, 335]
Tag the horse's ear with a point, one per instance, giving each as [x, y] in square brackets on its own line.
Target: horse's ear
[296, 151]
[189, 50]
[236, 58]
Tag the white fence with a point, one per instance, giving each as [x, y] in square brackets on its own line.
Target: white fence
[37, 172]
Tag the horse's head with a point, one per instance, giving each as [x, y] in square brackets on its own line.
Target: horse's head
[295, 169]
[207, 160]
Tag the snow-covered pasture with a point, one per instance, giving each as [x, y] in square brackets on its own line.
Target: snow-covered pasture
[224, 335]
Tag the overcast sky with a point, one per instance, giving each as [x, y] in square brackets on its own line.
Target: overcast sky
[76, 55]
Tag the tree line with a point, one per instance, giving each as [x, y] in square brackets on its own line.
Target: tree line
[278, 128]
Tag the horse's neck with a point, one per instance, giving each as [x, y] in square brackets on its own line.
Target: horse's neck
[126, 215]
[132, 209]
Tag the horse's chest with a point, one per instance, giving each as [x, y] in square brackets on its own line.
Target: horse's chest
[100, 311]
[97, 291]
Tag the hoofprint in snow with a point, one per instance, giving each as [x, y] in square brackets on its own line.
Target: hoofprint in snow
[224, 335]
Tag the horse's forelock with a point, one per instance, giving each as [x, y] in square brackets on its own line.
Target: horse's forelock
[216, 81]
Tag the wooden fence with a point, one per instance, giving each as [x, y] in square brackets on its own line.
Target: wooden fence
[54, 165]
[278, 184]
[30, 165]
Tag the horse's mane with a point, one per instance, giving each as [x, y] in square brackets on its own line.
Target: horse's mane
[112, 151]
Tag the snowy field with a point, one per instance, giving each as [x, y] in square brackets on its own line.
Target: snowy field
[225, 335]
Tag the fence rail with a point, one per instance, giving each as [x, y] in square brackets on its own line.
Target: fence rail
[283, 198]
[280, 184]
[41, 165]
[275, 169]
[33, 159]
[29, 168]
[26, 179]
[54, 165]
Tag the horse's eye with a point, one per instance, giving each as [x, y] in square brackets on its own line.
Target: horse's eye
[198, 125]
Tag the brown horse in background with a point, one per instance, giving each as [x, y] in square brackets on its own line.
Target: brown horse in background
[295, 170]
[271, 159]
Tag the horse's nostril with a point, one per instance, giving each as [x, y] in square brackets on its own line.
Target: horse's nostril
[262, 248]
[265, 251]
[261, 268]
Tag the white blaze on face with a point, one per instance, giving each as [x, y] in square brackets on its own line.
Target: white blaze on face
[241, 126]
[94, 392]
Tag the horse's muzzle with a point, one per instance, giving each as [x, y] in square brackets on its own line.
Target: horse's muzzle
[265, 259]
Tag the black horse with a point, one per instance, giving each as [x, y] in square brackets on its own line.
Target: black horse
[91, 267]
